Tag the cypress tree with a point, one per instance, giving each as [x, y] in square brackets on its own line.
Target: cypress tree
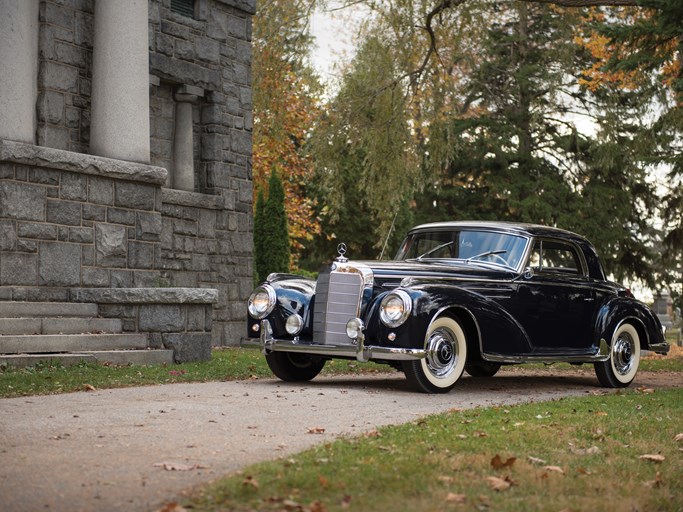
[275, 248]
[260, 264]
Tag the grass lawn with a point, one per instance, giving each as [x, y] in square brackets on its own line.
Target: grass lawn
[614, 452]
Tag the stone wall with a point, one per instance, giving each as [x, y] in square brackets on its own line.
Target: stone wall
[68, 219]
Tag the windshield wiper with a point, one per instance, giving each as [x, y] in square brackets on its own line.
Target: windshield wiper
[432, 251]
[488, 253]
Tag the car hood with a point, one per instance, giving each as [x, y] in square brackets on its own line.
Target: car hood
[394, 272]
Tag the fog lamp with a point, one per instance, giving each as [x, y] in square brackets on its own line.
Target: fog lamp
[294, 324]
[354, 328]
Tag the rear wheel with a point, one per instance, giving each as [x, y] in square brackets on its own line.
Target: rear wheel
[624, 357]
[446, 347]
[483, 369]
[294, 367]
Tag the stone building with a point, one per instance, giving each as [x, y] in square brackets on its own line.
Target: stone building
[125, 164]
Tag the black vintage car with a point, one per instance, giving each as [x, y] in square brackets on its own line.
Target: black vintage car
[459, 296]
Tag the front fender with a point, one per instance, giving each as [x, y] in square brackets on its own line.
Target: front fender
[294, 295]
[487, 322]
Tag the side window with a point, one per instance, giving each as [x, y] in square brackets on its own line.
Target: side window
[555, 257]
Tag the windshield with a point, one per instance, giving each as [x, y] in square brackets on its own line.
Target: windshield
[469, 245]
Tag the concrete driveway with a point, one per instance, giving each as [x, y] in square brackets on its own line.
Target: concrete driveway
[135, 449]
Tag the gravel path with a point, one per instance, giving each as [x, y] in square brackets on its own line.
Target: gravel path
[132, 449]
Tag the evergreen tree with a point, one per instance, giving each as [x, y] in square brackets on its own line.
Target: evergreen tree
[275, 235]
[260, 252]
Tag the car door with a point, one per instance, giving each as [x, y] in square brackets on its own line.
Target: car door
[555, 301]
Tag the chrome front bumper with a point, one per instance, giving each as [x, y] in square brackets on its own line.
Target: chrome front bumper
[356, 349]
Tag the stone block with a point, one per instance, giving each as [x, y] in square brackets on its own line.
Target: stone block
[18, 269]
[100, 191]
[196, 317]
[8, 236]
[140, 255]
[189, 346]
[161, 318]
[22, 201]
[59, 264]
[74, 187]
[93, 276]
[59, 77]
[134, 195]
[50, 107]
[208, 50]
[111, 245]
[94, 212]
[81, 235]
[119, 216]
[148, 226]
[37, 230]
[64, 212]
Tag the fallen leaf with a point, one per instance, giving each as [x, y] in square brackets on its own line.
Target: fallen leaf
[499, 484]
[601, 413]
[177, 466]
[172, 507]
[250, 481]
[645, 391]
[346, 502]
[317, 506]
[656, 483]
[583, 471]
[554, 469]
[653, 458]
[535, 460]
[316, 430]
[89, 387]
[498, 463]
[451, 497]
[324, 482]
[479, 433]
[678, 438]
[446, 479]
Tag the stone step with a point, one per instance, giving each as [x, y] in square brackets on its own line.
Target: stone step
[115, 357]
[10, 309]
[47, 343]
[59, 325]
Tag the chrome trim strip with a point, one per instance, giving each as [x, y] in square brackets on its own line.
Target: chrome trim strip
[600, 356]
[359, 350]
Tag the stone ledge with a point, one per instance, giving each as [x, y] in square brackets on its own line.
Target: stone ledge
[145, 295]
[50, 158]
[192, 199]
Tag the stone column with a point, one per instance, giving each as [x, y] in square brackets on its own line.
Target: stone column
[183, 142]
[18, 69]
[120, 84]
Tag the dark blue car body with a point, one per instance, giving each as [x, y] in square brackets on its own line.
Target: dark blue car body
[459, 296]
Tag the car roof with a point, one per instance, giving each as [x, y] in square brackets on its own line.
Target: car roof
[518, 228]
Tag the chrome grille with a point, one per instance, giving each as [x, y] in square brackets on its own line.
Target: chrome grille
[337, 300]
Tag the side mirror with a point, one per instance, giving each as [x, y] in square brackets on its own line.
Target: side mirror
[528, 273]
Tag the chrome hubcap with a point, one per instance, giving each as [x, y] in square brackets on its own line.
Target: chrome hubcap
[622, 353]
[441, 353]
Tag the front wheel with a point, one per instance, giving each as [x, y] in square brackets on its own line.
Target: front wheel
[624, 357]
[446, 347]
[293, 367]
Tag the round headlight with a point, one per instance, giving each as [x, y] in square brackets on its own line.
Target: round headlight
[294, 324]
[262, 301]
[395, 308]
